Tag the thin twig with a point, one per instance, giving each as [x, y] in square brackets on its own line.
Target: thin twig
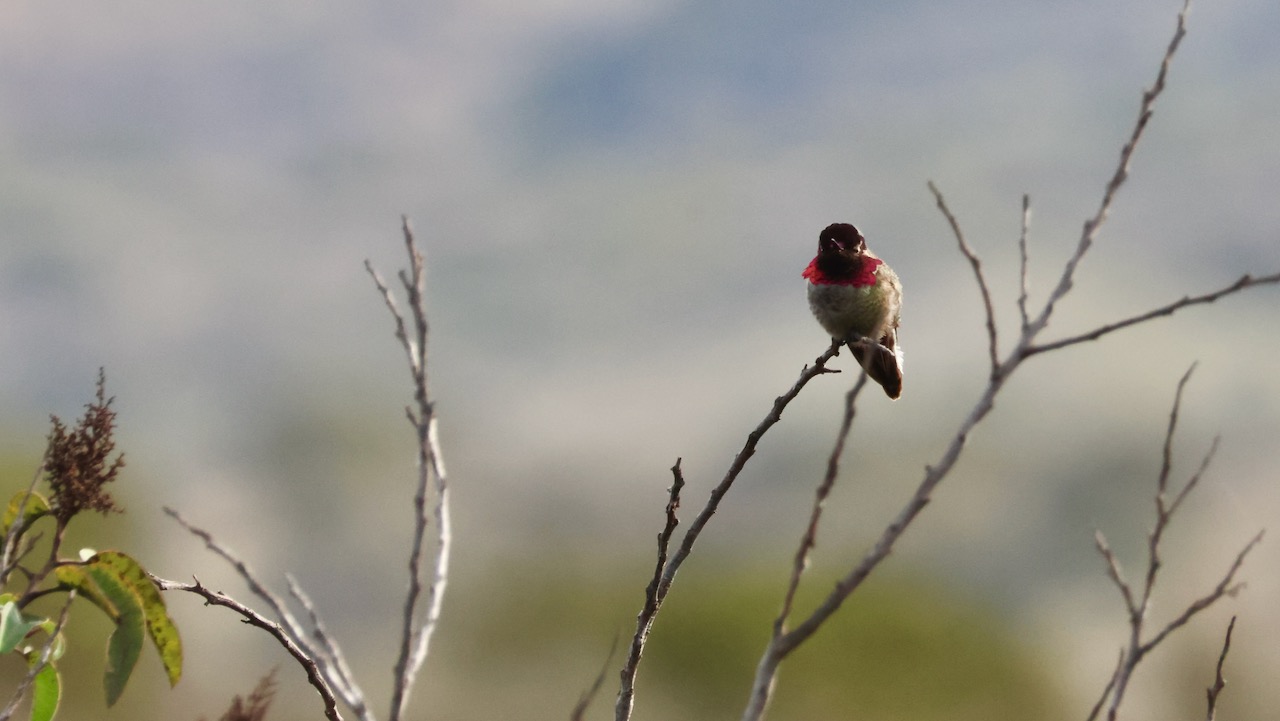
[333, 664]
[1092, 225]
[739, 462]
[1163, 512]
[884, 544]
[1023, 263]
[773, 655]
[580, 709]
[1114, 572]
[974, 262]
[1226, 587]
[652, 601]
[1137, 605]
[1106, 692]
[1219, 682]
[1245, 281]
[277, 604]
[304, 657]
[420, 616]
[1166, 450]
[810, 538]
[667, 570]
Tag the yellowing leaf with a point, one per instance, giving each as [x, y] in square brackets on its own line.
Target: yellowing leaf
[163, 632]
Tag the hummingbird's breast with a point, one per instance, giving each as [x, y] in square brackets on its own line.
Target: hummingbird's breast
[842, 309]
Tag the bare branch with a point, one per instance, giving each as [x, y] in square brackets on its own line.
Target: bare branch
[1138, 645]
[665, 574]
[1195, 477]
[1245, 281]
[420, 615]
[305, 657]
[1163, 513]
[1226, 587]
[580, 709]
[810, 538]
[1023, 262]
[782, 645]
[1106, 692]
[652, 599]
[1166, 452]
[1114, 572]
[277, 605]
[333, 664]
[766, 670]
[976, 264]
[1092, 225]
[1219, 682]
[740, 462]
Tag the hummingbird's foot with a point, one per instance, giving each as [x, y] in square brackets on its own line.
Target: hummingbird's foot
[855, 340]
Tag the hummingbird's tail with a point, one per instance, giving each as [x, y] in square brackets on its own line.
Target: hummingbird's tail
[884, 364]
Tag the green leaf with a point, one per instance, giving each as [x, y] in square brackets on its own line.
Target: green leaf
[125, 644]
[35, 507]
[46, 691]
[14, 626]
[160, 627]
[76, 576]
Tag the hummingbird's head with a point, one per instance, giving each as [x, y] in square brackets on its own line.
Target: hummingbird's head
[842, 258]
[841, 239]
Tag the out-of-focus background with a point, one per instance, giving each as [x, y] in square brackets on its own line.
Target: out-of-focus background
[617, 200]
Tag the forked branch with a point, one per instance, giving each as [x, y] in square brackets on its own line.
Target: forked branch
[420, 615]
[311, 645]
[1138, 601]
[667, 567]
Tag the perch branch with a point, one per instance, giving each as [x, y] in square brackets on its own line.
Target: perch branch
[1000, 372]
[665, 574]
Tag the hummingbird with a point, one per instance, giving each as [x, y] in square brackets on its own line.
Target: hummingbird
[857, 298]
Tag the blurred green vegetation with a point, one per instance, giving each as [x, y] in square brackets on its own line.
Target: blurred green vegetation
[903, 647]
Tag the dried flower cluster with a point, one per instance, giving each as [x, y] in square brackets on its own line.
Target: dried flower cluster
[78, 463]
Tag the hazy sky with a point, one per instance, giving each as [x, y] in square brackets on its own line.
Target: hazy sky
[616, 200]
